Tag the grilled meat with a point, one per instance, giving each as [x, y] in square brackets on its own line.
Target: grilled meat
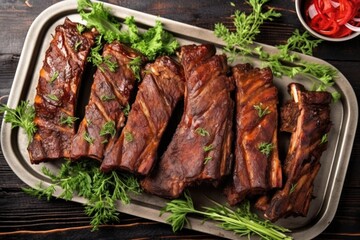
[110, 94]
[57, 92]
[257, 165]
[201, 146]
[136, 148]
[307, 144]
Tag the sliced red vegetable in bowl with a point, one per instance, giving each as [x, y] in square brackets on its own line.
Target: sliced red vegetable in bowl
[333, 20]
[332, 17]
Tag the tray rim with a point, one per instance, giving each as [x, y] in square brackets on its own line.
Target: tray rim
[338, 172]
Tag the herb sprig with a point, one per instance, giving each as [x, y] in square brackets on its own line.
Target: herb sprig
[266, 148]
[261, 110]
[152, 43]
[241, 221]
[68, 120]
[101, 190]
[247, 28]
[22, 116]
[108, 128]
[286, 61]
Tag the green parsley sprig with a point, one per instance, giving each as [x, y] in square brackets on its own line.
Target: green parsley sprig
[22, 116]
[101, 190]
[241, 221]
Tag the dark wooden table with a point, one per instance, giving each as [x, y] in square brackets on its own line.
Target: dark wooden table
[26, 217]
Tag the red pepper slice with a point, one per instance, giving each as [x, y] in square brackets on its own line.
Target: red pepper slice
[345, 12]
[332, 15]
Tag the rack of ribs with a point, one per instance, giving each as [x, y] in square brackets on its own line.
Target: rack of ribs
[57, 92]
[109, 96]
[159, 92]
[200, 150]
[257, 166]
[309, 129]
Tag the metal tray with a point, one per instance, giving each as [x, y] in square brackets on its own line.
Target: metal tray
[328, 184]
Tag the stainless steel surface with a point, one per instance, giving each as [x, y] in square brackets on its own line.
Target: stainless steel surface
[328, 184]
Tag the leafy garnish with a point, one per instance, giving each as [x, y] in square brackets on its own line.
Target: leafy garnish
[44, 192]
[80, 28]
[135, 66]
[241, 221]
[208, 148]
[152, 43]
[202, 132]
[261, 110]
[128, 137]
[54, 77]
[266, 148]
[207, 159]
[53, 97]
[22, 116]
[247, 27]
[156, 41]
[108, 128]
[98, 60]
[105, 98]
[100, 17]
[324, 139]
[126, 109]
[88, 138]
[67, 120]
[77, 45]
[101, 190]
[110, 63]
[285, 62]
[293, 188]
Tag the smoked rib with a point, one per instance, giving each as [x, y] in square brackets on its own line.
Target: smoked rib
[201, 146]
[310, 127]
[57, 92]
[256, 170]
[160, 90]
[110, 94]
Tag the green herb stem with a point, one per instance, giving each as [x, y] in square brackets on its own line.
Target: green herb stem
[22, 116]
[241, 221]
[101, 190]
